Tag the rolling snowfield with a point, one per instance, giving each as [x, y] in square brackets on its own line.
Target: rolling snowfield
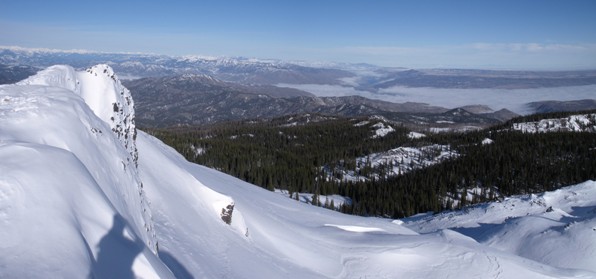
[83, 194]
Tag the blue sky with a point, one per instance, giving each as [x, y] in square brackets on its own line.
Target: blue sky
[502, 34]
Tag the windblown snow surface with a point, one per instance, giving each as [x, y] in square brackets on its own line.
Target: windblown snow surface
[74, 204]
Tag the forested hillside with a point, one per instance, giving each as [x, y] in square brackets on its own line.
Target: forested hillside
[284, 153]
[315, 154]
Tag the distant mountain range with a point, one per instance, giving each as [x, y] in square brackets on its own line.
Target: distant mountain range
[457, 78]
[132, 66]
[271, 71]
[553, 106]
[12, 74]
[201, 99]
[191, 90]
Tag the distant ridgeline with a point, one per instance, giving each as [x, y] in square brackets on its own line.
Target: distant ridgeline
[399, 173]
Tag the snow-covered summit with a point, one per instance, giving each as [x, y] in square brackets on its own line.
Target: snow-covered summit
[112, 102]
[61, 76]
[67, 170]
[103, 93]
[72, 199]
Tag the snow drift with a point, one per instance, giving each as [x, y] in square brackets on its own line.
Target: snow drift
[84, 194]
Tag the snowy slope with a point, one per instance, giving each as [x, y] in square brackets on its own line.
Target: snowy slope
[573, 123]
[295, 240]
[74, 204]
[71, 194]
[557, 228]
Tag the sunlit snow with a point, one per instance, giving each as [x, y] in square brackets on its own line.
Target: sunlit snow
[73, 204]
[573, 123]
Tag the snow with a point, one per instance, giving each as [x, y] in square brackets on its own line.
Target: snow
[440, 130]
[355, 228]
[73, 204]
[198, 151]
[415, 135]
[361, 123]
[381, 130]
[84, 183]
[454, 199]
[307, 198]
[396, 161]
[573, 123]
[556, 228]
[405, 159]
[487, 141]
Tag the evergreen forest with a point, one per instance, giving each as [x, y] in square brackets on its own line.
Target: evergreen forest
[297, 156]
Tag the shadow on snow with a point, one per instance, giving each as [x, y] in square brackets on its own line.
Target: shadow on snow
[116, 253]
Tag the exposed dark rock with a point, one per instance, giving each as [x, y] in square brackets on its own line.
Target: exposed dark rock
[226, 213]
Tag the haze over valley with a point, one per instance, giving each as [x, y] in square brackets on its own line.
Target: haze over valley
[285, 88]
[294, 139]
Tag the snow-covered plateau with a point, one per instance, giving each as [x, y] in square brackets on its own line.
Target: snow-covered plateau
[83, 194]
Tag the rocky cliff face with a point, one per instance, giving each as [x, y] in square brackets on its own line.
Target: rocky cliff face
[112, 102]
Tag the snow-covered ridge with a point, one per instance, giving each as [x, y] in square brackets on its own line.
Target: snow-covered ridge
[219, 60]
[573, 123]
[112, 102]
[415, 135]
[394, 162]
[103, 93]
[46, 50]
[68, 159]
[404, 159]
[89, 169]
[381, 130]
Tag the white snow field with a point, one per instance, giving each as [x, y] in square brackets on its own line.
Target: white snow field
[74, 204]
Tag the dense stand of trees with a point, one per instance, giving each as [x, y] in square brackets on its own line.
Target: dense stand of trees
[515, 163]
[271, 155]
[275, 156]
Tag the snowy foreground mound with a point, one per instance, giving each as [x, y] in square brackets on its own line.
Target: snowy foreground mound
[83, 194]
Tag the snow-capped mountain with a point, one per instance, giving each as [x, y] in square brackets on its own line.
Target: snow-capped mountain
[74, 204]
[135, 65]
[518, 92]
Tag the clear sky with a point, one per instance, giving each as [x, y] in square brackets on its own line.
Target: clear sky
[503, 34]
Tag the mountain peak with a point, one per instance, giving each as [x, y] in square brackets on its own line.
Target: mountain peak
[112, 102]
[458, 112]
[61, 76]
[102, 91]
